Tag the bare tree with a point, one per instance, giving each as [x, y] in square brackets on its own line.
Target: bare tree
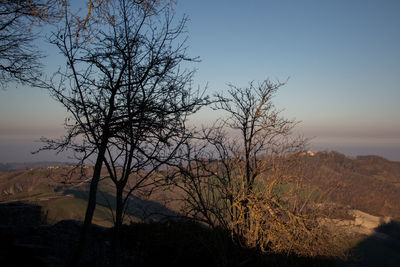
[19, 58]
[125, 91]
[244, 175]
[154, 102]
[19, 21]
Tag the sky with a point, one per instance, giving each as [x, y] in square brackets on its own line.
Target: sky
[341, 61]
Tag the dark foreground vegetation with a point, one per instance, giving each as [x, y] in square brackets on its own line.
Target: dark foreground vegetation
[26, 240]
[143, 244]
[46, 210]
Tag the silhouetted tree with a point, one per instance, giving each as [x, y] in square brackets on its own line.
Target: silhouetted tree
[155, 101]
[19, 19]
[125, 91]
[244, 174]
[19, 58]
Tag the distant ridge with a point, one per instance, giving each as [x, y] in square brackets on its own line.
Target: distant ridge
[18, 166]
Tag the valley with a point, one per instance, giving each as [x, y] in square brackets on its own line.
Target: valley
[359, 194]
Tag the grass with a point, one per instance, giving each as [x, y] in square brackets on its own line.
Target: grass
[71, 208]
[306, 192]
[44, 192]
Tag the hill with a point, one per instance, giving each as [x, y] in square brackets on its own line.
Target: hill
[368, 183]
[62, 192]
[54, 188]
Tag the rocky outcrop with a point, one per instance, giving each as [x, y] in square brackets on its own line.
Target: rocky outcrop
[363, 223]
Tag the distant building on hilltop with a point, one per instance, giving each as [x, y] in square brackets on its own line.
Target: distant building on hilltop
[311, 152]
[53, 167]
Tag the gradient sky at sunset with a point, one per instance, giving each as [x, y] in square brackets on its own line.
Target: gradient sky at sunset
[341, 59]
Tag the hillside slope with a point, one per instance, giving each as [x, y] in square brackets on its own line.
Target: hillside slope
[62, 192]
[368, 183]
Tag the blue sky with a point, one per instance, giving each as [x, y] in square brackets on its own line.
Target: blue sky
[341, 59]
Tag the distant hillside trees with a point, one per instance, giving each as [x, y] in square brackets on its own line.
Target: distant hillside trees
[127, 95]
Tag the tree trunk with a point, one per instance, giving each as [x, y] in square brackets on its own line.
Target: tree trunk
[118, 225]
[81, 247]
